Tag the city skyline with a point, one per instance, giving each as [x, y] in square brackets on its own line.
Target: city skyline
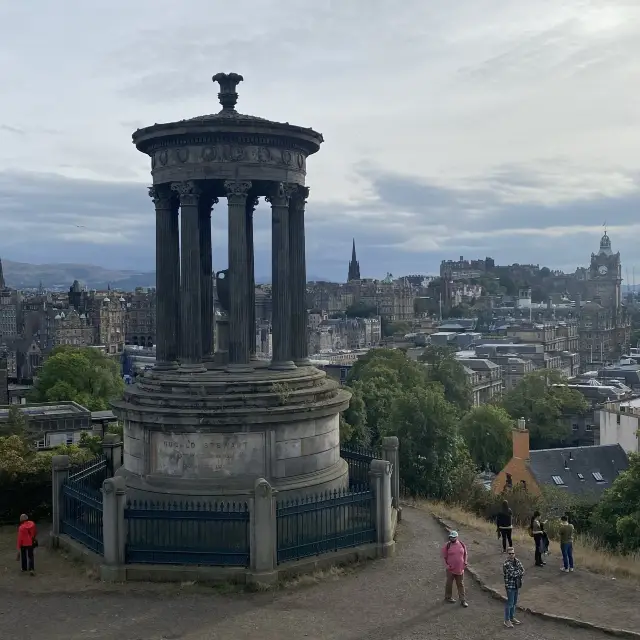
[489, 139]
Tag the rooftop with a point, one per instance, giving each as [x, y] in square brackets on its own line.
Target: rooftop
[45, 409]
[579, 470]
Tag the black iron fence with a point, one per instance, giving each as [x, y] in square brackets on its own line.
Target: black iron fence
[320, 524]
[81, 515]
[90, 474]
[359, 461]
[213, 534]
[81, 503]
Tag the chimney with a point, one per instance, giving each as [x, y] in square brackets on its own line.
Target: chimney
[520, 437]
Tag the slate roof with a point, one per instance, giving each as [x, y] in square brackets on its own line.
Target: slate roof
[608, 460]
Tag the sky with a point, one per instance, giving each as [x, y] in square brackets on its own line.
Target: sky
[503, 128]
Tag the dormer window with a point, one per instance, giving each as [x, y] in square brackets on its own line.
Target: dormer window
[597, 476]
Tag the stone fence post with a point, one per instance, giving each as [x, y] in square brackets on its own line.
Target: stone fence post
[380, 477]
[59, 473]
[112, 449]
[391, 453]
[263, 534]
[113, 527]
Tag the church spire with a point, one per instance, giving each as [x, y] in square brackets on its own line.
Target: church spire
[354, 265]
[2, 282]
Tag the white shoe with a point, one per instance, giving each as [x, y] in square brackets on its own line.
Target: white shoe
[508, 624]
[571, 570]
[564, 570]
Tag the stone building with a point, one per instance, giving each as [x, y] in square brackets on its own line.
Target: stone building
[140, 318]
[485, 378]
[354, 265]
[10, 313]
[110, 327]
[72, 328]
[4, 381]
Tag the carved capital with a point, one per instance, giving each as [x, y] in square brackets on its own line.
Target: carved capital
[237, 191]
[252, 203]
[299, 199]
[281, 193]
[161, 196]
[188, 192]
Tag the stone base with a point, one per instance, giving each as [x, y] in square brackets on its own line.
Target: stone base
[211, 434]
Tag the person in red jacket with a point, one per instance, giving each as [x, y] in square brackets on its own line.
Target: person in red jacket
[27, 541]
[454, 554]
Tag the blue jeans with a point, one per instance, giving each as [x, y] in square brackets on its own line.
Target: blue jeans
[567, 554]
[510, 606]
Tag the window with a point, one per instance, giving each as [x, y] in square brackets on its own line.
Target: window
[557, 480]
[597, 476]
[580, 476]
[574, 427]
[588, 427]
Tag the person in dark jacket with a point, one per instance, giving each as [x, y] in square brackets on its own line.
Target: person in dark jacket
[504, 524]
[536, 531]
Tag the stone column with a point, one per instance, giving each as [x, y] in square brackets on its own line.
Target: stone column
[390, 452]
[59, 473]
[206, 275]
[112, 449]
[239, 316]
[380, 476]
[252, 203]
[191, 294]
[113, 528]
[167, 276]
[280, 275]
[263, 534]
[298, 277]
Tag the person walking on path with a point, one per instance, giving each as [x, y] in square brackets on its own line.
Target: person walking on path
[454, 553]
[536, 530]
[27, 542]
[504, 523]
[566, 543]
[512, 571]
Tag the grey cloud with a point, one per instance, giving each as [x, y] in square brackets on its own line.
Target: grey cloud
[15, 130]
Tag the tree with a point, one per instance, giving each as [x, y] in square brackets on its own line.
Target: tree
[361, 310]
[375, 381]
[443, 368]
[17, 423]
[433, 459]
[83, 375]
[543, 398]
[394, 328]
[487, 433]
[616, 518]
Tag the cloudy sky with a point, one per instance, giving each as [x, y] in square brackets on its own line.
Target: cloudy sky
[504, 128]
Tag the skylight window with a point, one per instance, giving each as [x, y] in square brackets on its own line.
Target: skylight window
[580, 476]
[558, 480]
[597, 476]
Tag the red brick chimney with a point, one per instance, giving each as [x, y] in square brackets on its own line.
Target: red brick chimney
[520, 437]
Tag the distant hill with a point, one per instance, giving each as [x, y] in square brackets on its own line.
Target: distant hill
[22, 275]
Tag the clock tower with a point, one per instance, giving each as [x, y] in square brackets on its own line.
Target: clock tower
[605, 275]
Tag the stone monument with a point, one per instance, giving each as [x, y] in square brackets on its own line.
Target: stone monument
[206, 425]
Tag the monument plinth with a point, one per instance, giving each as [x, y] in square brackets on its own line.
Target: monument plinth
[209, 424]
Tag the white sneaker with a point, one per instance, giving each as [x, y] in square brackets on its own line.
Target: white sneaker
[508, 624]
[571, 569]
[564, 570]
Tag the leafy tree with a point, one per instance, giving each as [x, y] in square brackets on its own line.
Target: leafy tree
[487, 432]
[395, 328]
[545, 272]
[542, 398]
[375, 381]
[433, 459]
[83, 375]
[361, 310]
[17, 423]
[442, 367]
[616, 518]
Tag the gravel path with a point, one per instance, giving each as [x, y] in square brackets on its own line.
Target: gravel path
[399, 598]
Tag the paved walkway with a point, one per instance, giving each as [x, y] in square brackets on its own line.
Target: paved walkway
[582, 595]
[398, 598]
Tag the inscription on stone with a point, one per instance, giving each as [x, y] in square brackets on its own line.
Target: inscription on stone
[202, 455]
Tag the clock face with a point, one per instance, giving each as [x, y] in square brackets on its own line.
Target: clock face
[602, 270]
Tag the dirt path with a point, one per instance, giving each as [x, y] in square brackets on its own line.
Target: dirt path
[399, 598]
[582, 595]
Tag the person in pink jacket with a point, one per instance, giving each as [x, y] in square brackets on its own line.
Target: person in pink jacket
[454, 553]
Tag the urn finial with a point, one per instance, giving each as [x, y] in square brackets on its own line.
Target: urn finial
[228, 95]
